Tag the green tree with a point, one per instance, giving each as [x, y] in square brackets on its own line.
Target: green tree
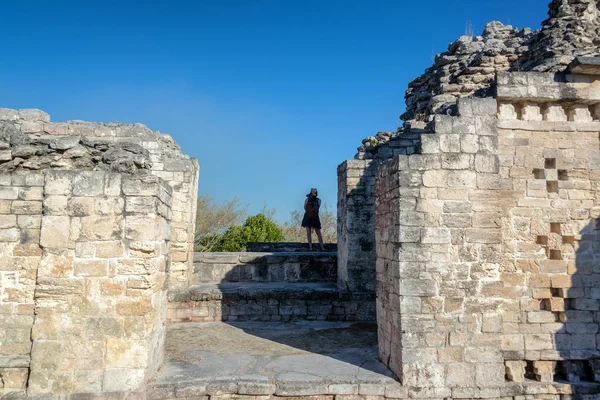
[258, 228]
[214, 220]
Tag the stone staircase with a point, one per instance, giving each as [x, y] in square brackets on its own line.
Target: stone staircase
[268, 286]
[270, 325]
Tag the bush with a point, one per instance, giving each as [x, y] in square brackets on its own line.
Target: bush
[214, 220]
[258, 228]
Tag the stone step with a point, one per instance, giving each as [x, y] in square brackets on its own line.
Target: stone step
[271, 301]
[300, 358]
[265, 267]
[265, 247]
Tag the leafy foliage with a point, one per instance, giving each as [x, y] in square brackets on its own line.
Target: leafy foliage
[219, 226]
[214, 220]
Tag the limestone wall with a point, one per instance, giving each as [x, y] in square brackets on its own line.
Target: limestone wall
[264, 267]
[20, 257]
[30, 142]
[437, 215]
[487, 244]
[84, 263]
[101, 286]
[550, 164]
[96, 223]
[356, 225]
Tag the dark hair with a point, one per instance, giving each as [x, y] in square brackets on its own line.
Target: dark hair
[316, 192]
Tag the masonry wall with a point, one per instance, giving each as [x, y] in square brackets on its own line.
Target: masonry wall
[356, 225]
[550, 163]
[39, 144]
[487, 245]
[100, 297]
[264, 267]
[20, 256]
[437, 228]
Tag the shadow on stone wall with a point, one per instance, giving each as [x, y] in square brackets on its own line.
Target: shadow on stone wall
[575, 302]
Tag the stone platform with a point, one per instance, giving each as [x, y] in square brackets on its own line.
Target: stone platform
[267, 358]
[272, 301]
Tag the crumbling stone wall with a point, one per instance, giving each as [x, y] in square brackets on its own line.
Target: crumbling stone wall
[85, 256]
[550, 166]
[572, 30]
[96, 223]
[487, 222]
[356, 226]
[30, 142]
[100, 298]
[437, 215]
[470, 65]
[487, 244]
[20, 257]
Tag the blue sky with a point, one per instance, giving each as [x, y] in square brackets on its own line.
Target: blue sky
[269, 95]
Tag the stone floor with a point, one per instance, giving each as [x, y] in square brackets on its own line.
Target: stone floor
[263, 358]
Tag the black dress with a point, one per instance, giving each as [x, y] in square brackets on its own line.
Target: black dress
[311, 214]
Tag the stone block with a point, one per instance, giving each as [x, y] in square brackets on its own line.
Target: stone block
[123, 380]
[515, 371]
[507, 111]
[33, 114]
[26, 207]
[31, 193]
[486, 163]
[9, 193]
[13, 378]
[132, 307]
[580, 113]
[442, 124]
[59, 182]
[486, 106]
[8, 114]
[544, 370]
[538, 342]
[148, 186]
[490, 375]
[531, 112]
[32, 126]
[430, 144]
[55, 232]
[256, 388]
[450, 143]
[8, 221]
[91, 268]
[80, 206]
[435, 236]
[555, 112]
[456, 161]
[418, 287]
[469, 144]
[102, 227]
[141, 228]
[56, 205]
[88, 183]
[460, 374]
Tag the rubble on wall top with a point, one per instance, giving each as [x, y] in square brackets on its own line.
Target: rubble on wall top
[585, 66]
[568, 41]
[29, 141]
[572, 30]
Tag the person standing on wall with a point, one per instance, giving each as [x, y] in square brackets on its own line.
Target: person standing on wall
[311, 217]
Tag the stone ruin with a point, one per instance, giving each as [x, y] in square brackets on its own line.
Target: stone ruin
[96, 224]
[476, 225]
[478, 221]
